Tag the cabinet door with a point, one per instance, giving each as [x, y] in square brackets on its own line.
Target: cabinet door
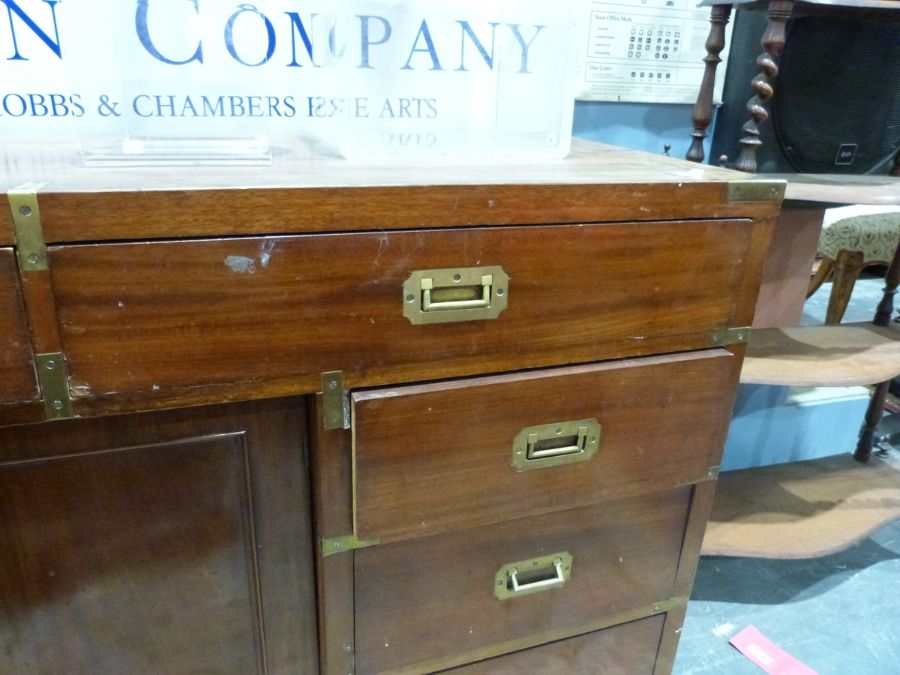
[174, 542]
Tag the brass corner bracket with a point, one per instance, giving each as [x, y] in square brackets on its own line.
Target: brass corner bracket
[729, 336]
[53, 378]
[335, 401]
[346, 543]
[26, 217]
[759, 190]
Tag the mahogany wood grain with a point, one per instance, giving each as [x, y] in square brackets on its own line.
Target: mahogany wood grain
[166, 542]
[40, 306]
[152, 215]
[701, 506]
[668, 644]
[663, 423]
[300, 192]
[754, 263]
[156, 319]
[822, 356]
[22, 413]
[332, 471]
[18, 383]
[432, 598]
[627, 649]
[785, 277]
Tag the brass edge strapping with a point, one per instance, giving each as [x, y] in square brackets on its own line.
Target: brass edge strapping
[756, 190]
[53, 378]
[729, 336]
[335, 401]
[26, 216]
[346, 543]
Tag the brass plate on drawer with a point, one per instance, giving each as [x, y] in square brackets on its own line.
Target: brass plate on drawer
[547, 445]
[532, 576]
[455, 294]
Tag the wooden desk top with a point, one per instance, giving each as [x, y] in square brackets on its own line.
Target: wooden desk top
[835, 189]
[301, 191]
[301, 165]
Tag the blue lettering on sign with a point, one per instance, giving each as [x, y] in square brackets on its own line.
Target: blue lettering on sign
[374, 30]
[365, 42]
[229, 35]
[523, 68]
[467, 30]
[143, 33]
[428, 48]
[13, 8]
[297, 28]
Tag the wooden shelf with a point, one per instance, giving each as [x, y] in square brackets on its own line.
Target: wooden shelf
[835, 189]
[802, 509]
[815, 356]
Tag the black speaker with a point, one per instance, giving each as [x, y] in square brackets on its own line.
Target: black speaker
[837, 96]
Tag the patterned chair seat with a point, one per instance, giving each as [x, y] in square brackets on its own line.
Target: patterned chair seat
[852, 238]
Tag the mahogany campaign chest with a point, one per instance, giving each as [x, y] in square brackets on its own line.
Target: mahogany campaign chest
[321, 416]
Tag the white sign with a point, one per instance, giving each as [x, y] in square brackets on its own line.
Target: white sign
[365, 77]
[645, 51]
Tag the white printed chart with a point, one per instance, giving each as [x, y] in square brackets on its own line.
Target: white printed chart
[645, 51]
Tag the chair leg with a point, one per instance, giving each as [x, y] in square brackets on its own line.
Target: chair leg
[875, 411]
[823, 271]
[847, 266]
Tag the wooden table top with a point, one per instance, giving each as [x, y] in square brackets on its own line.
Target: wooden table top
[299, 164]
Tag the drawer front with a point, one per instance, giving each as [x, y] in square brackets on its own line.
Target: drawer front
[271, 314]
[17, 380]
[422, 602]
[434, 457]
[628, 649]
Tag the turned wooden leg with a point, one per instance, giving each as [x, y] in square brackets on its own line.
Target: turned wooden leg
[847, 267]
[891, 281]
[895, 170]
[875, 410]
[703, 108]
[826, 265]
[772, 42]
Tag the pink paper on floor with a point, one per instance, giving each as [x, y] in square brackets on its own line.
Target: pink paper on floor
[774, 660]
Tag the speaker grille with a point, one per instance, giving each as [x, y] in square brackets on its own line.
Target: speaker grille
[837, 98]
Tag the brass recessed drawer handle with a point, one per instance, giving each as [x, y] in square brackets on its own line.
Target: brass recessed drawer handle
[455, 294]
[546, 445]
[531, 576]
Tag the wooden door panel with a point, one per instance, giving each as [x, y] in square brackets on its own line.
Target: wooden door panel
[17, 381]
[266, 316]
[174, 542]
[439, 456]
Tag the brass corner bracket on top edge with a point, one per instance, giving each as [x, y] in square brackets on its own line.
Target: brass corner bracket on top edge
[729, 336]
[26, 217]
[756, 190]
[346, 543]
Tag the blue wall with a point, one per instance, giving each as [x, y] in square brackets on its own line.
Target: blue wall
[642, 126]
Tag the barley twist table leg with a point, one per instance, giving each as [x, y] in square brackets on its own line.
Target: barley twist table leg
[772, 43]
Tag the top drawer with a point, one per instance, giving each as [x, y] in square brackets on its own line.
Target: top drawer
[272, 313]
[17, 379]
